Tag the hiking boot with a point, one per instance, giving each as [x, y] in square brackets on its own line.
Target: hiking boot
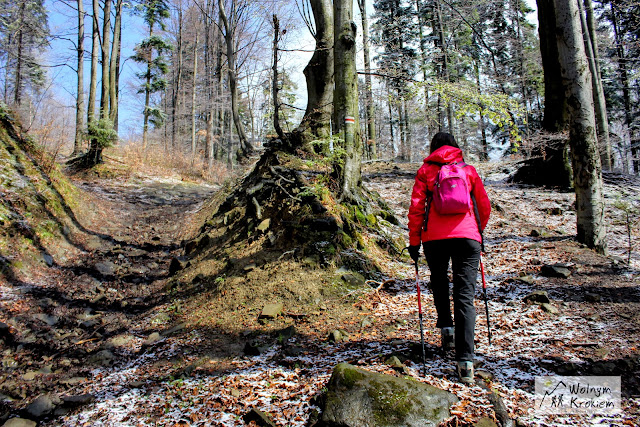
[448, 338]
[465, 372]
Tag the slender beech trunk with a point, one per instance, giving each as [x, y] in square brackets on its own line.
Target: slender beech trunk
[585, 159]
[370, 107]
[316, 122]
[445, 61]
[483, 128]
[95, 47]
[423, 64]
[209, 94]
[7, 66]
[114, 66]
[591, 46]
[345, 100]
[106, 40]
[274, 87]
[391, 134]
[407, 127]
[194, 82]
[403, 134]
[626, 92]
[17, 95]
[175, 104]
[77, 143]
[147, 99]
[229, 37]
[218, 110]
[521, 70]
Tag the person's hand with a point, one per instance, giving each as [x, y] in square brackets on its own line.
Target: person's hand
[414, 252]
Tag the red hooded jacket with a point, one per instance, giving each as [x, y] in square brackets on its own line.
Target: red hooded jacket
[445, 226]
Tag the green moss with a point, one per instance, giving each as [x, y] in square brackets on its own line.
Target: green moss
[47, 229]
[344, 240]
[372, 220]
[359, 216]
[351, 376]
[390, 405]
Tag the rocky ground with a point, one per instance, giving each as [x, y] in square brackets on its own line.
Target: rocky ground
[102, 341]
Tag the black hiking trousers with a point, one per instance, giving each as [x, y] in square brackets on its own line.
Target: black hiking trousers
[465, 257]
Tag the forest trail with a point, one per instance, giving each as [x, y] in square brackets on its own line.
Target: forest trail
[106, 332]
[84, 312]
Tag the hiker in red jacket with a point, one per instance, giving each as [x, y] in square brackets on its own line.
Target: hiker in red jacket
[455, 237]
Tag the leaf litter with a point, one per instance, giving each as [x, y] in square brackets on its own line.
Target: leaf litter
[527, 342]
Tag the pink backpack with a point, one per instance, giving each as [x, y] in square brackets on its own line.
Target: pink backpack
[451, 193]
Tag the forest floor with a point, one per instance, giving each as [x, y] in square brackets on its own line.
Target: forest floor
[108, 332]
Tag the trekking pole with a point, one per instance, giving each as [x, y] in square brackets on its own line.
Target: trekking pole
[486, 302]
[424, 358]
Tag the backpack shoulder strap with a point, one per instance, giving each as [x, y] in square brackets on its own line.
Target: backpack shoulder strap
[477, 215]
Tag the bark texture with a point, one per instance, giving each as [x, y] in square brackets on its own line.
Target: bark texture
[245, 147]
[114, 66]
[550, 163]
[585, 159]
[106, 42]
[77, 143]
[345, 100]
[591, 45]
[371, 112]
[316, 123]
[95, 47]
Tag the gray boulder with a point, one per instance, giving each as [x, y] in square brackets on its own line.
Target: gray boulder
[537, 297]
[42, 406]
[19, 422]
[555, 270]
[359, 398]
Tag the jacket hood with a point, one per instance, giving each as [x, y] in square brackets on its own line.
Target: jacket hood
[445, 154]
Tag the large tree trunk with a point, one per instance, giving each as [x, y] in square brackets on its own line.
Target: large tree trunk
[95, 47]
[371, 111]
[555, 102]
[591, 46]
[583, 140]
[114, 66]
[550, 163]
[345, 100]
[77, 143]
[229, 37]
[106, 40]
[316, 123]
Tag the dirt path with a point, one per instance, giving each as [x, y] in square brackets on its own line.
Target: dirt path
[98, 309]
[138, 365]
